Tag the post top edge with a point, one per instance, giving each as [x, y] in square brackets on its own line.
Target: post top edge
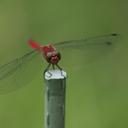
[55, 74]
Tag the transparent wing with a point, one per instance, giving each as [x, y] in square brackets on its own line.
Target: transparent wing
[18, 72]
[9, 68]
[84, 52]
[99, 40]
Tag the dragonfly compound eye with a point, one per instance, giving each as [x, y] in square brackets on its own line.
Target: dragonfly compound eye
[55, 58]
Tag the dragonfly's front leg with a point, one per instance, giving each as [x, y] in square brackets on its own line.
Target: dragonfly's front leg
[60, 70]
[58, 67]
[47, 68]
[53, 66]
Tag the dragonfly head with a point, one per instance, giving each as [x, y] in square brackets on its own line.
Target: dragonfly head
[53, 57]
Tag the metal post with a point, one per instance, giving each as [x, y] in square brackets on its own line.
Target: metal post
[55, 81]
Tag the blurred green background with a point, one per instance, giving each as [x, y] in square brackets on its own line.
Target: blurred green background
[97, 91]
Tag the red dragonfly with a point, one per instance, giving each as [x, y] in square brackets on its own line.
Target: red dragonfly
[10, 73]
[49, 52]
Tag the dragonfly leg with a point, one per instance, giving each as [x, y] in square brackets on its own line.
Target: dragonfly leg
[47, 68]
[53, 66]
[60, 69]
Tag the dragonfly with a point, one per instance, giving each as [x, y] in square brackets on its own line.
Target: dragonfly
[49, 52]
[10, 81]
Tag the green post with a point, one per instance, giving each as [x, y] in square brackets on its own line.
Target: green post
[55, 81]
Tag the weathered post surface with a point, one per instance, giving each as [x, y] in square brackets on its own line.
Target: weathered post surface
[55, 88]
